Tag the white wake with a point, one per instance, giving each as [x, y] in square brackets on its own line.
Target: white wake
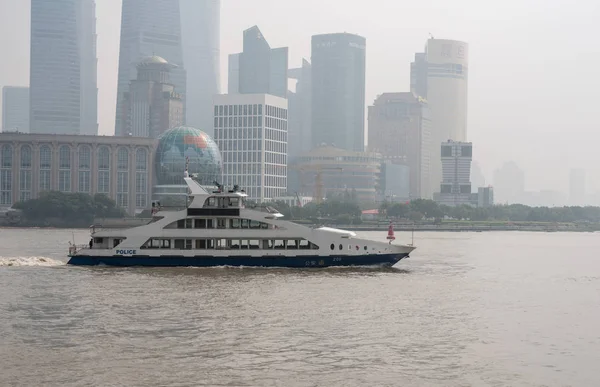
[29, 261]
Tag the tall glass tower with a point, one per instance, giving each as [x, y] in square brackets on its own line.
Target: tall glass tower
[200, 33]
[63, 76]
[338, 91]
[148, 27]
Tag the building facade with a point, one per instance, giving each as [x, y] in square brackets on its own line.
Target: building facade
[15, 109]
[251, 133]
[338, 91]
[120, 168]
[446, 65]
[63, 68]
[455, 188]
[400, 130]
[148, 28]
[299, 133]
[327, 171]
[259, 69]
[485, 197]
[152, 105]
[201, 40]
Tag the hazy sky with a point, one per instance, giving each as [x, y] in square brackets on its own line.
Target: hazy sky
[534, 85]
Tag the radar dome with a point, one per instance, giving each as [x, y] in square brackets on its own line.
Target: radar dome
[177, 144]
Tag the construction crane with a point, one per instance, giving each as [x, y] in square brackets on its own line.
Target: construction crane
[319, 186]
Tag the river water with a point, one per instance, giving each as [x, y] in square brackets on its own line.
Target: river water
[467, 309]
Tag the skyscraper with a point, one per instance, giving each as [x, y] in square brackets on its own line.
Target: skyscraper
[400, 129]
[455, 188]
[15, 109]
[63, 81]
[259, 69]
[441, 75]
[299, 133]
[148, 28]
[152, 105]
[338, 90]
[200, 34]
[509, 184]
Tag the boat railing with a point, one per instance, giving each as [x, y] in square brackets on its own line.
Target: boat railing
[74, 249]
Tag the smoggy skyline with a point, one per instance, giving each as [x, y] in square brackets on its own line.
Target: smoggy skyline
[532, 91]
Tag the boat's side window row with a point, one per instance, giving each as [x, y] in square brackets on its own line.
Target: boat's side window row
[230, 244]
[221, 223]
[341, 247]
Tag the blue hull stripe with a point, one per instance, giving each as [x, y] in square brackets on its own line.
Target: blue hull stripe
[209, 261]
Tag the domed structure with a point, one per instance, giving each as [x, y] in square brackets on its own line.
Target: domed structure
[154, 59]
[177, 144]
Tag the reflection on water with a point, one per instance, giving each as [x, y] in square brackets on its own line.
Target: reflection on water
[467, 309]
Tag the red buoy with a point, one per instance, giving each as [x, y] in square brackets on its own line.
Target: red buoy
[390, 234]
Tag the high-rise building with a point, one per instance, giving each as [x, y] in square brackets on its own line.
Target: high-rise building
[485, 197]
[400, 130]
[15, 109]
[509, 184]
[299, 133]
[148, 28]
[338, 92]
[455, 188]
[577, 187]
[441, 76]
[251, 132]
[477, 177]
[259, 69]
[151, 105]
[63, 68]
[200, 34]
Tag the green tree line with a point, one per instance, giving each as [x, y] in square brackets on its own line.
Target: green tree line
[61, 209]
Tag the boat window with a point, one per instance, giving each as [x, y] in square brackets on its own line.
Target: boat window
[332, 246]
[341, 247]
[243, 244]
[210, 202]
[349, 247]
[264, 226]
[234, 202]
[199, 223]
[366, 248]
[200, 244]
[188, 244]
[117, 242]
[255, 224]
[210, 243]
[292, 245]
[245, 223]
[223, 244]
[221, 223]
[268, 244]
[209, 223]
[180, 244]
[234, 223]
[313, 246]
[166, 244]
[181, 223]
[254, 244]
[189, 223]
[279, 244]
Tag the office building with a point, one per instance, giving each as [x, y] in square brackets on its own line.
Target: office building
[577, 194]
[200, 34]
[445, 64]
[455, 188]
[119, 167]
[394, 183]
[15, 109]
[152, 105]
[63, 81]
[327, 171]
[485, 197]
[148, 28]
[258, 69]
[251, 133]
[338, 91]
[299, 122]
[477, 178]
[400, 130]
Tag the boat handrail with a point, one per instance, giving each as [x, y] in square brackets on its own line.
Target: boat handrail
[74, 249]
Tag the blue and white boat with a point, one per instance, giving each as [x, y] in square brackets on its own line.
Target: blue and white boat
[218, 229]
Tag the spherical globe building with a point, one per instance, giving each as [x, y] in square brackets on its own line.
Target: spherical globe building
[178, 144]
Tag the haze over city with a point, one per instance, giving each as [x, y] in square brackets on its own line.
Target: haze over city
[532, 92]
